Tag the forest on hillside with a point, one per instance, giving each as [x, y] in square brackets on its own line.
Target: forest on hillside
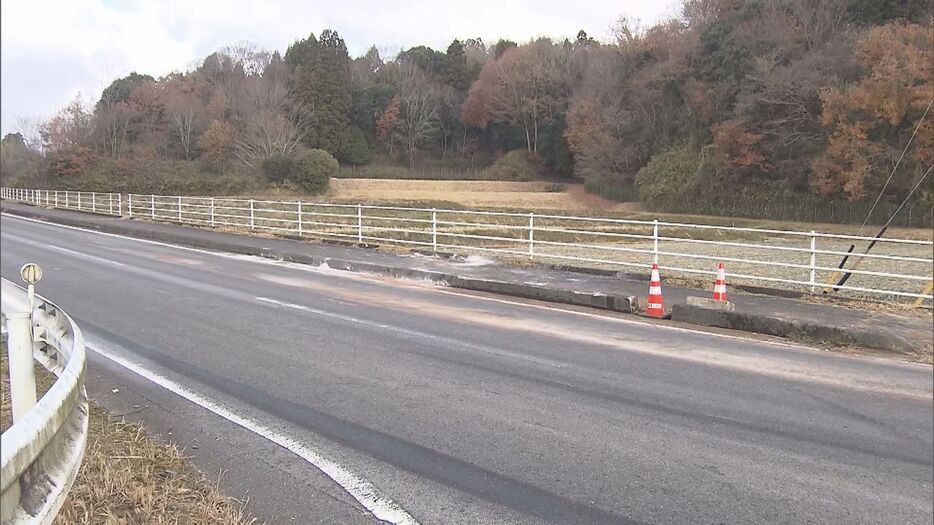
[783, 108]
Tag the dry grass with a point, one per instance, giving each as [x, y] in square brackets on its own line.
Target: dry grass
[127, 477]
[457, 193]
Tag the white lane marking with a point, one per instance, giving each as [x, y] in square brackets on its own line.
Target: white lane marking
[414, 333]
[262, 260]
[37, 244]
[359, 488]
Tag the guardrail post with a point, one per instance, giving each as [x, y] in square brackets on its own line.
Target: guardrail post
[434, 230]
[22, 374]
[531, 235]
[179, 208]
[299, 218]
[212, 212]
[152, 206]
[655, 241]
[359, 224]
[252, 216]
[813, 271]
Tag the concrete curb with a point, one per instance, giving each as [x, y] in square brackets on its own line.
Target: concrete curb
[870, 337]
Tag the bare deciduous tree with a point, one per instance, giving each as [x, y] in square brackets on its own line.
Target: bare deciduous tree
[273, 120]
[419, 103]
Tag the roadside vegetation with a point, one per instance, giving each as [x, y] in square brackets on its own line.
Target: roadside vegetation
[126, 476]
[793, 110]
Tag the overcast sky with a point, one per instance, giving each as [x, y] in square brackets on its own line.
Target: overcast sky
[52, 50]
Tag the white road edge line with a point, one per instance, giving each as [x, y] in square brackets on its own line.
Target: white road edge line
[262, 260]
[370, 497]
[63, 250]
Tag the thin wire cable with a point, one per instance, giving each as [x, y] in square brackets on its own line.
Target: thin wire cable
[915, 187]
[887, 181]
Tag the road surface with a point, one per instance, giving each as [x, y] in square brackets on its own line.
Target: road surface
[421, 402]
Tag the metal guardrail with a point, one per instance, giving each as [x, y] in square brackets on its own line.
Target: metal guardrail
[89, 201]
[41, 453]
[808, 260]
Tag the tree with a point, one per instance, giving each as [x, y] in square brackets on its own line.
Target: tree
[18, 160]
[871, 120]
[119, 90]
[274, 122]
[419, 104]
[69, 128]
[455, 67]
[216, 143]
[184, 110]
[522, 88]
[322, 68]
[357, 150]
[388, 123]
[427, 59]
[502, 46]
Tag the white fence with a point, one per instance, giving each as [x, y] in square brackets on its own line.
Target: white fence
[803, 260]
[90, 201]
[43, 449]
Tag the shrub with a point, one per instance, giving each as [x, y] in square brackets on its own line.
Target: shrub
[317, 168]
[517, 165]
[280, 168]
[669, 174]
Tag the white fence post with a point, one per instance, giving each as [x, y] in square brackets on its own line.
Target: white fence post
[212, 212]
[252, 216]
[813, 271]
[120, 204]
[110, 203]
[67, 204]
[531, 235]
[152, 206]
[129, 205]
[94, 202]
[299, 218]
[655, 241]
[434, 230]
[79, 201]
[22, 374]
[56, 198]
[359, 224]
[179, 208]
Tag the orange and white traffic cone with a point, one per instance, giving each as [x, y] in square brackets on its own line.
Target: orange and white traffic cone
[719, 286]
[655, 304]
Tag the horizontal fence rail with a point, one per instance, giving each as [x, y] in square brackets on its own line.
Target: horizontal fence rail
[42, 451]
[805, 260]
[89, 201]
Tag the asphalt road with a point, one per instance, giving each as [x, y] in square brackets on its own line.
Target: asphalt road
[476, 409]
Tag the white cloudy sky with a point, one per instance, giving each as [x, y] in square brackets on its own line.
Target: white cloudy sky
[52, 50]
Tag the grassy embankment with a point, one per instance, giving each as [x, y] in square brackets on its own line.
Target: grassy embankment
[129, 477]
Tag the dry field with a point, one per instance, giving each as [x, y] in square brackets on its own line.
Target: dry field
[461, 194]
